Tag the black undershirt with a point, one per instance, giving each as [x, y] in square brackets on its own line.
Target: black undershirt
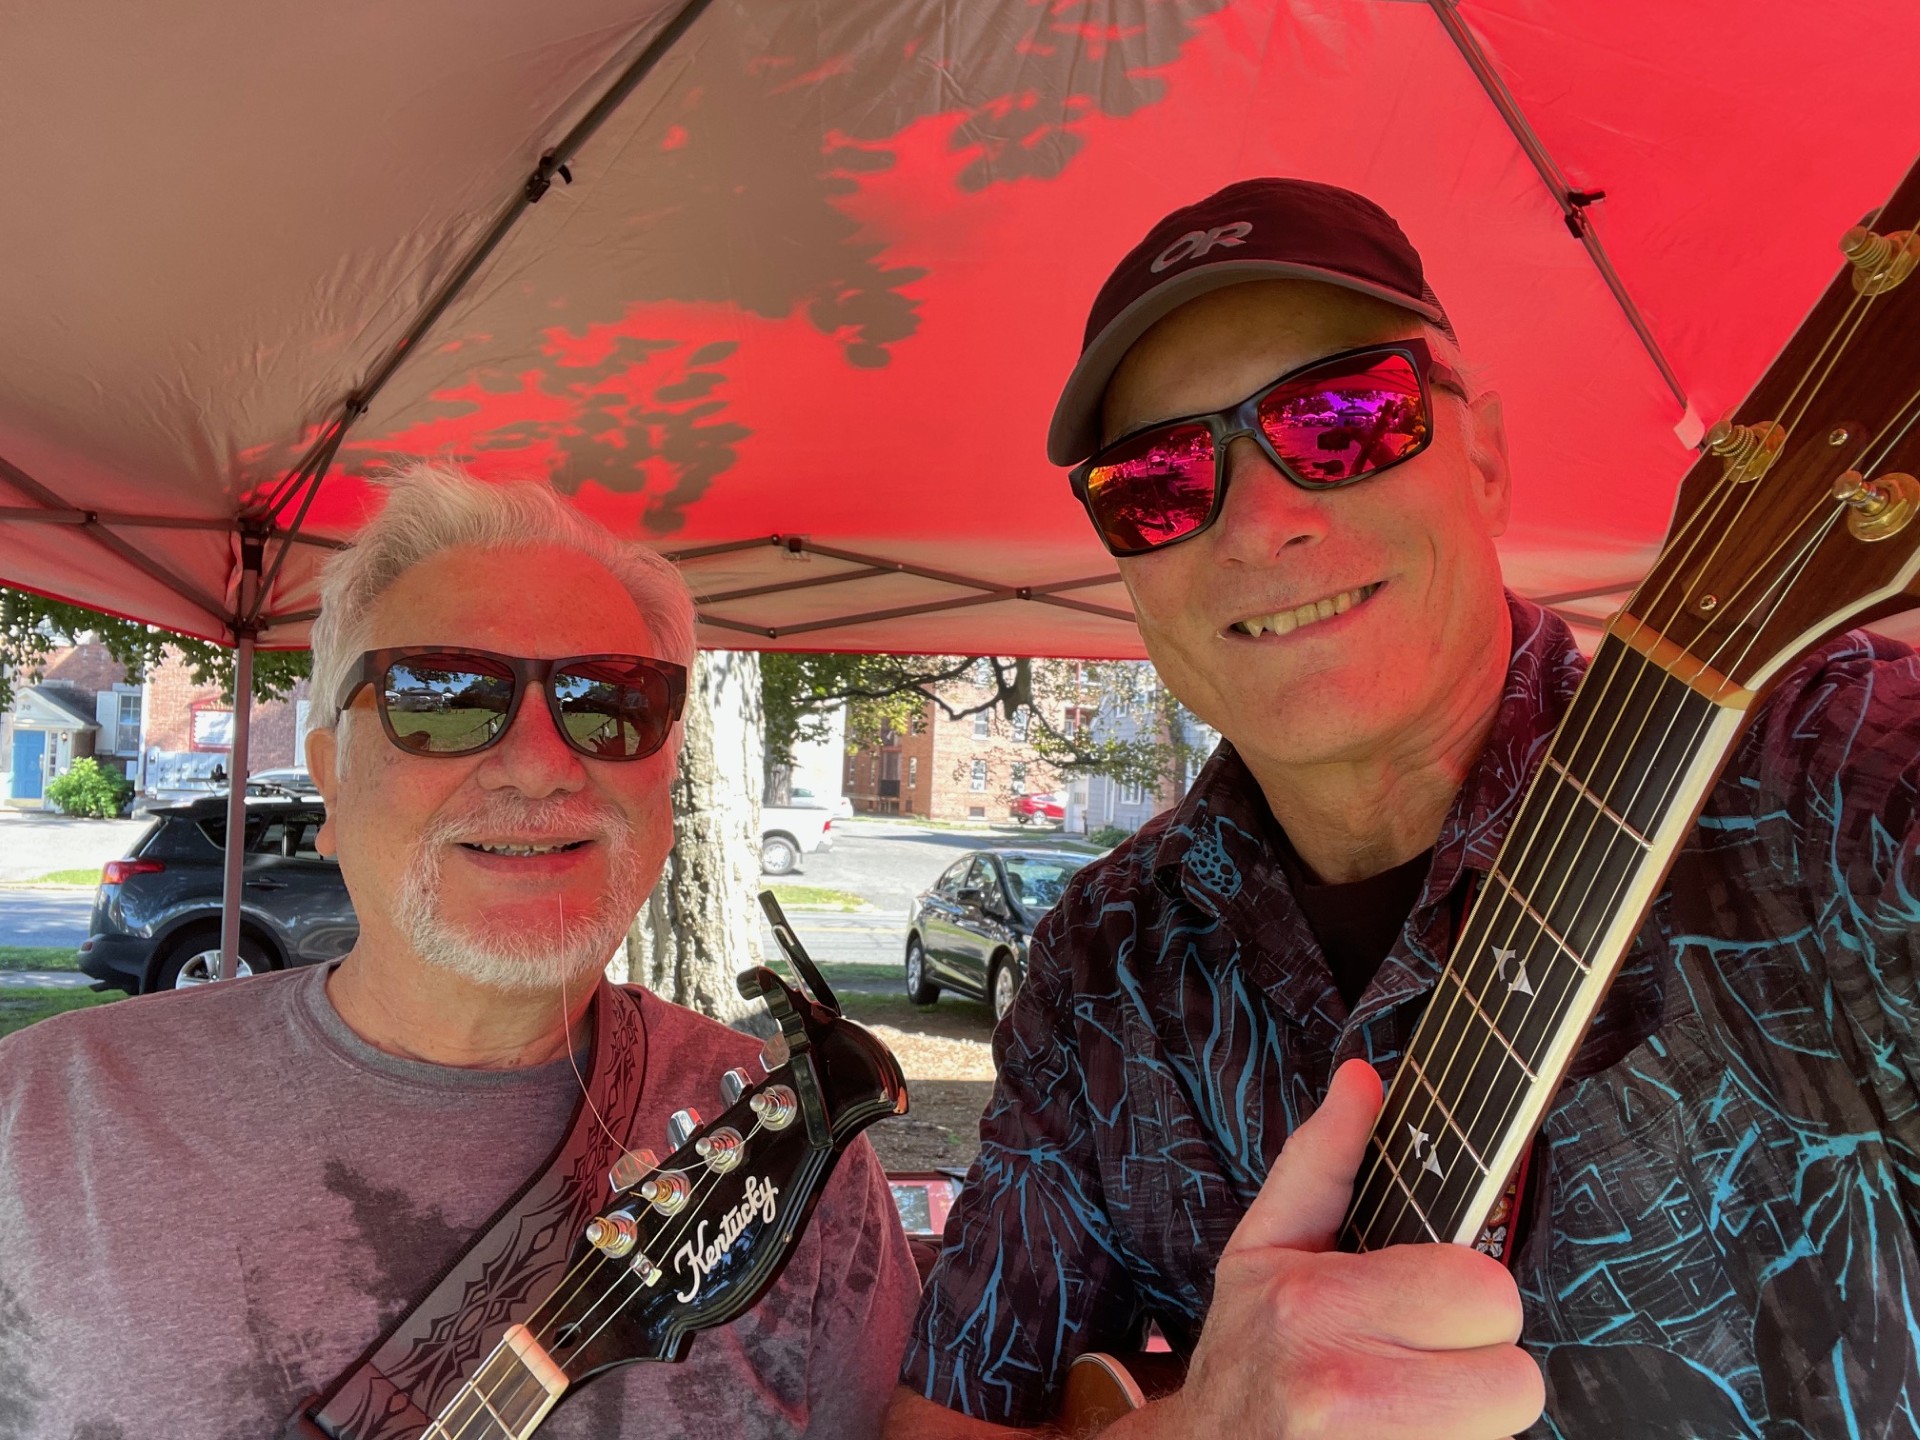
[1356, 923]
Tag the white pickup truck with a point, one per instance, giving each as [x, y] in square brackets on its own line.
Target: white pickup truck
[789, 831]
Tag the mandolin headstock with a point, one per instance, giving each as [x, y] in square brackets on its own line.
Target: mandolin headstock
[1802, 517]
[691, 1241]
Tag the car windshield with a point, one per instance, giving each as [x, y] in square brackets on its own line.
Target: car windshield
[1038, 881]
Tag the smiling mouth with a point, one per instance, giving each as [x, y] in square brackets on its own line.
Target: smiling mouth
[556, 848]
[1285, 622]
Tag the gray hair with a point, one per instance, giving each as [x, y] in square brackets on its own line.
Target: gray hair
[434, 506]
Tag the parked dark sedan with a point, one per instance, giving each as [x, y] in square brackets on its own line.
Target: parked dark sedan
[970, 931]
[156, 918]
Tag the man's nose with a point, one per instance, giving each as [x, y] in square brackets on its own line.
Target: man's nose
[1264, 513]
[532, 757]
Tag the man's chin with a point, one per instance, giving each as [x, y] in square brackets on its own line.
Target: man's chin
[525, 964]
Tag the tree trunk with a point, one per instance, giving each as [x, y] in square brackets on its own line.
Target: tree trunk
[701, 926]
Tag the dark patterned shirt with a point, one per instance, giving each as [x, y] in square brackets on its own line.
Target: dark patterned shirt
[1720, 1240]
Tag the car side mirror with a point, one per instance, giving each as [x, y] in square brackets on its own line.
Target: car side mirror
[969, 895]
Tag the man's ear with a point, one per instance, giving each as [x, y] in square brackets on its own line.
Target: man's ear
[1487, 455]
[323, 756]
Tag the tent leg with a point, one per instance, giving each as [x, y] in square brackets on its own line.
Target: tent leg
[251, 551]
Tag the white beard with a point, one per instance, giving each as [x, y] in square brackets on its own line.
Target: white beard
[568, 953]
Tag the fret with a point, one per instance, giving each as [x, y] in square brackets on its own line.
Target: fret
[1630, 741]
[1439, 1103]
[509, 1395]
[1568, 864]
[1620, 822]
[1473, 1008]
[1539, 921]
[1385, 1202]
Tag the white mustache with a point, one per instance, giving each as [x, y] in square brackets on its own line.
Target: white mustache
[507, 812]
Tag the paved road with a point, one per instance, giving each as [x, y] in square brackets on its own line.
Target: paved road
[32, 916]
[887, 865]
[34, 843]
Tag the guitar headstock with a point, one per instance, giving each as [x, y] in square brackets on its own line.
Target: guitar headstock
[1803, 515]
[691, 1241]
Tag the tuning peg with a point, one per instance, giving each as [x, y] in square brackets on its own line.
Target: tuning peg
[631, 1168]
[774, 1054]
[776, 1106]
[722, 1150]
[734, 1084]
[681, 1125]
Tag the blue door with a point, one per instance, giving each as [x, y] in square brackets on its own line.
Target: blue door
[29, 761]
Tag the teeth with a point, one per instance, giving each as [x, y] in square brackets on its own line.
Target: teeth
[521, 849]
[1285, 622]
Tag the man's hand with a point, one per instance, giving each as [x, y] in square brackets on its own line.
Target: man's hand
[1304, 1341]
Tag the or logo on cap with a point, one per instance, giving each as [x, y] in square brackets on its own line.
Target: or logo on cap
[1196, 243]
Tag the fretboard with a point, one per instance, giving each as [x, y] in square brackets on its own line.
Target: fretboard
[508, 1396]
[1598, 828]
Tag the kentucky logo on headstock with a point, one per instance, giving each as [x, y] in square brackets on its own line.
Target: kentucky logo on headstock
[698, 1257]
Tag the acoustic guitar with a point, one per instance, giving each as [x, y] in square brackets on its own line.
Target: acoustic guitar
[1796, 523]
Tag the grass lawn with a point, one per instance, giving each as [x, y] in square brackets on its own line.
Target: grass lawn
[816, 897]
[20, 1008]
[38, 957]
[847, 976]
[67, 877]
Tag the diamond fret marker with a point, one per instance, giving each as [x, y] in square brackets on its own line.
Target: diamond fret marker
[1421, 1151]
[1519, 981]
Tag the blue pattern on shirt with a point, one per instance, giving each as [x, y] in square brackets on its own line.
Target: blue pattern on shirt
[1721, 1241]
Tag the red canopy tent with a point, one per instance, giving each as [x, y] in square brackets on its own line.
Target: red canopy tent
[789, 290]
[802, 311]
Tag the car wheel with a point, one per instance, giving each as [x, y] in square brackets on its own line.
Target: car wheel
[1006, 985]
[195, 960]
[778, 855]
[920, 990]
[1024, 819]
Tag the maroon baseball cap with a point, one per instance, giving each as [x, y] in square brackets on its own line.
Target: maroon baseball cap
[1254, 230]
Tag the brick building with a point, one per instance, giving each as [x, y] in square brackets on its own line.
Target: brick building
[944, 769]
[165, 734]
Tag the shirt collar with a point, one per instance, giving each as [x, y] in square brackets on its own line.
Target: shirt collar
[1543, 670]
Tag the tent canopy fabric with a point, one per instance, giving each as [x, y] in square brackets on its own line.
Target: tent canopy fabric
[799, 307]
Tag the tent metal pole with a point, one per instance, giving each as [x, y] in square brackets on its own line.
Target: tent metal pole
[1573, 203]
[252, 550]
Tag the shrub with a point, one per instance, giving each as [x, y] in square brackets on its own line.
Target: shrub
[89, 789]
[1109, 835]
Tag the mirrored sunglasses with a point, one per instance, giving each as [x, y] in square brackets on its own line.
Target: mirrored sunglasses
[449, 700]
[1340, 419]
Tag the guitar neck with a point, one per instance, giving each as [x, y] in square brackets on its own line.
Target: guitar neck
[507, 1397]
[1600, 824]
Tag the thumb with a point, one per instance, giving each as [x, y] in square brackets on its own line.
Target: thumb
[1307, 1192]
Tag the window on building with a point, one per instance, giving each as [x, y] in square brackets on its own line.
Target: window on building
[913, 771]
[917, 723]
[978, 779]
[126, 735]
[1019, 778]
[982, 725]
[1133, 793]
[1021, 719]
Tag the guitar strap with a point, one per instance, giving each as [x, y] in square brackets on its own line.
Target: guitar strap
[512, 1263]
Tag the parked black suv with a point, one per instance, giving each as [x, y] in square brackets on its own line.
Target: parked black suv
[156, 918]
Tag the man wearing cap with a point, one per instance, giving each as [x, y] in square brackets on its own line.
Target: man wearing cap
[1274, 434]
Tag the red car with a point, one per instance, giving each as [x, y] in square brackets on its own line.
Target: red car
[1047, 806]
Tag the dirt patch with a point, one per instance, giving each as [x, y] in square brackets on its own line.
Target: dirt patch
[945, 1052]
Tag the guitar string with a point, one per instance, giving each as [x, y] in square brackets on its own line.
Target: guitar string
[518, 1379]
[1408, 1201]
[1404, 1103]
[1701, 523]
[1784, 586]
[1885, 442]
[1829, 352]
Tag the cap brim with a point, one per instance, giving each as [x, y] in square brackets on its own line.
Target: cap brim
[1075, 431]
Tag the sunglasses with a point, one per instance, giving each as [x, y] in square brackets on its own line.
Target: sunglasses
[1329, 423]
[448, 700]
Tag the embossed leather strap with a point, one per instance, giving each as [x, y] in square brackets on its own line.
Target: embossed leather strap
[402, 1380]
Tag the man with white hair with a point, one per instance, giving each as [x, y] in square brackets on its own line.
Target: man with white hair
[212, 1201]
